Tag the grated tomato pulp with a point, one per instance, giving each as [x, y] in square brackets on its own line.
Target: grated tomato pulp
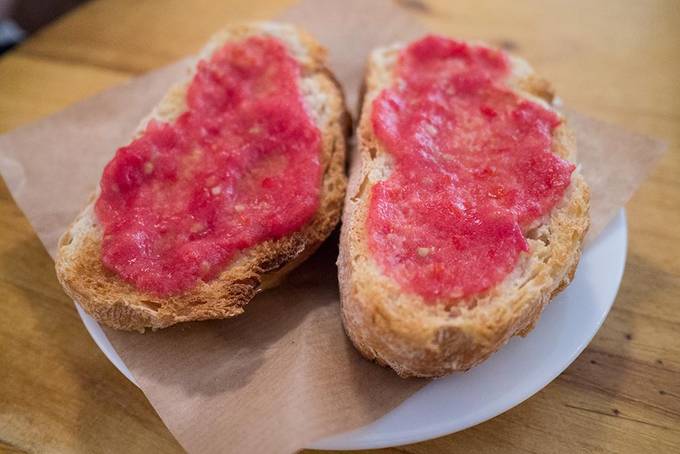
[241, 165]
[473, 168]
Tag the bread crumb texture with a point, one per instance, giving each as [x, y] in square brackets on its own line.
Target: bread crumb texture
[117, 304]
[397, 329]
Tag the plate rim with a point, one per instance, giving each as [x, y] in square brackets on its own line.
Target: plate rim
[334, 442]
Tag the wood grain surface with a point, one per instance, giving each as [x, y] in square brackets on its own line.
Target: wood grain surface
[616, 60]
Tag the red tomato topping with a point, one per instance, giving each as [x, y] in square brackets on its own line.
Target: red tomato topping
[240, 166]
[473, 167]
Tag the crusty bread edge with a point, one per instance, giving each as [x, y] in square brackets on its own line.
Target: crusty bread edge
[119, 305]
[415, 339]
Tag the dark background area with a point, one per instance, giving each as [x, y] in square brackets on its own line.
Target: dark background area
[20, 18]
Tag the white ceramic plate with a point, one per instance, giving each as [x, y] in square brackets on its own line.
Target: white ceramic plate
[518, 371]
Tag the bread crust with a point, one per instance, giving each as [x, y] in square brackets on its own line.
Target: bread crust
[397, 329]
[118, 304]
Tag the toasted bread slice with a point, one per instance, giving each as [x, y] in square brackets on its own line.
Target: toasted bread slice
[397, 328]
[116, 303]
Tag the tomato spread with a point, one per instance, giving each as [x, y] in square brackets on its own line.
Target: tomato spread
[473, 167]
[239, 166]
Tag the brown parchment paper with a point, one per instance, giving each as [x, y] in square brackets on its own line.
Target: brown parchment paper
[283, 374]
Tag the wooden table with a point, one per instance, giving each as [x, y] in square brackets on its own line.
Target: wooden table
[612, 59]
